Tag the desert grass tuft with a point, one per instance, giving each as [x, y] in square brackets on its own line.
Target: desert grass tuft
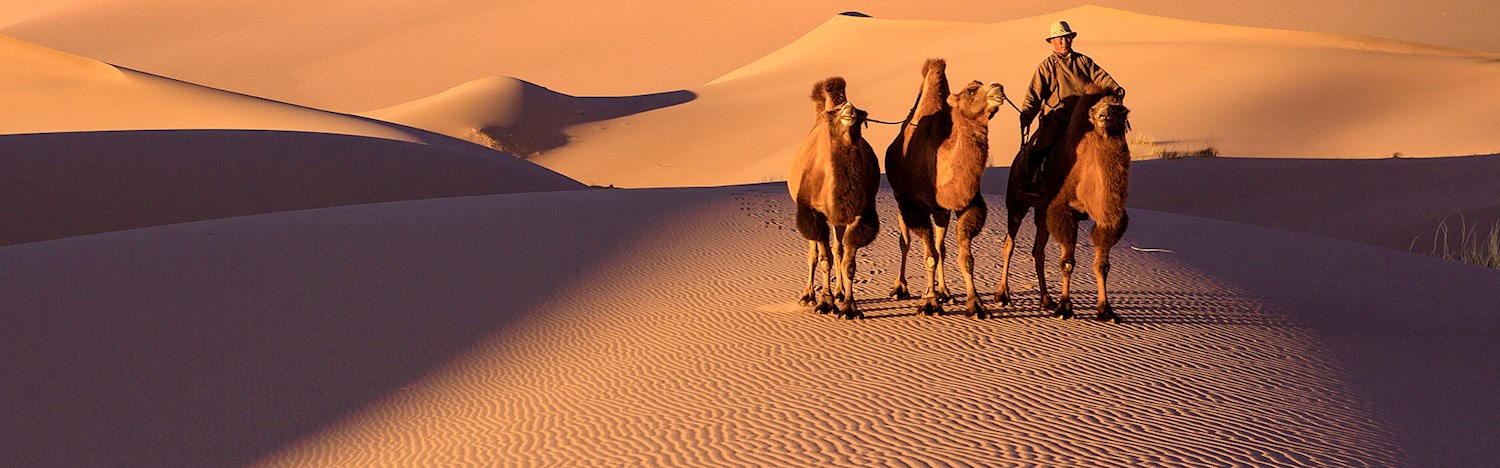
[1470, 247]
[1144, 147]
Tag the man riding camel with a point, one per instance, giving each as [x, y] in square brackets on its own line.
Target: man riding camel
[1058, 83]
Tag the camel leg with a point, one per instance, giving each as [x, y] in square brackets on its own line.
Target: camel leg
[836, 253]
[814, 227]
[1039, 255]
[825, 262]
[808, 295]
[1015, 213]
[903, 239]
[1105, 236]
[940, 220]
[1064, 227]
[970, 224]
[931, 305]
[848, 308]
[918, 222]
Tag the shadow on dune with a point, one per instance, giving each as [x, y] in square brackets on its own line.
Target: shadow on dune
[1383, 202]
[68, 184]
[223, 342]
[548, 113]
[1410, 333]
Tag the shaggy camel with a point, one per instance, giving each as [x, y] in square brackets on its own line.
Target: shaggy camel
[1085, 178]
[833, 180]
[934, 166]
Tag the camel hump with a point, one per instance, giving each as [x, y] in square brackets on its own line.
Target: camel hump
[935, 64]
[829, 93]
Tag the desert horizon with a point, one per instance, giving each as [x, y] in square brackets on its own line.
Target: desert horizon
[274, 233]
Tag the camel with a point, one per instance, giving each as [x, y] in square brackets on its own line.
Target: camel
[1085, 178]
[833, 180]
[934, 166]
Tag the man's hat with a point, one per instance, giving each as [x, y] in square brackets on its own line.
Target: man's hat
[1060, 29]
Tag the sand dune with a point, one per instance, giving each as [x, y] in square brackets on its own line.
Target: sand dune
[202, 277]
[515, 116]
[69, 184]
[89, 147]
[385, 52]
[1247, 92]
[404, 333]
[46, 90]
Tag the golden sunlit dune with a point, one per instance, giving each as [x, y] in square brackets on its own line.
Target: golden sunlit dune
[44, 90]
[96, 148]
[382, 53]
[1245, 93]
[514, 116]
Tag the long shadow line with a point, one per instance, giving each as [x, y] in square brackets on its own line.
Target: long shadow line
[1136, 307]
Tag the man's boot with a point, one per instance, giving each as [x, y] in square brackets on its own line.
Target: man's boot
[1031, 180]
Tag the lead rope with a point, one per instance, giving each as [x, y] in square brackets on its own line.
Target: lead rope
[1025, 131]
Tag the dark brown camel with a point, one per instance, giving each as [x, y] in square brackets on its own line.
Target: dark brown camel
[934, 166]
[1085, 178]
[833, 179]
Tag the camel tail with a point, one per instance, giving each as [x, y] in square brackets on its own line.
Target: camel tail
[829, 93]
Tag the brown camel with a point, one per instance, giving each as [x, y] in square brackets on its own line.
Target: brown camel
[1085, 178]
[934, 166]
[833, 180]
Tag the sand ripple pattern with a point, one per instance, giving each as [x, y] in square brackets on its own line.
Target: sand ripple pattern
[688, 349]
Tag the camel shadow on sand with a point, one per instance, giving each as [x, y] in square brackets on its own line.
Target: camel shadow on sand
[1137, 307]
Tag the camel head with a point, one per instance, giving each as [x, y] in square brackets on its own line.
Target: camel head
[978, 100]
[846, 121]
[1109, 117]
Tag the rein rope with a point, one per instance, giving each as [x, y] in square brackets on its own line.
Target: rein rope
[869, 121]
[1025, 131]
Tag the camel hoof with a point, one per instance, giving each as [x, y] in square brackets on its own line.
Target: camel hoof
[849, 310]
[1048, 304]
[900, 293]
[1107, 314]
[1003, 298]
[807, 299]
[825, 305]
[930, 307]
[976, 309]
[1064, 310]
[944, 297]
